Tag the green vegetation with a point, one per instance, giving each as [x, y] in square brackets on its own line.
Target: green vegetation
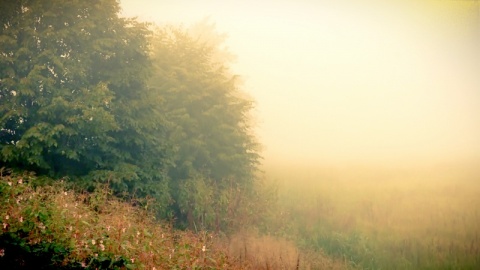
[115, 107]
[384, 219]
[96, 98]
[52, 227]
[106, 125]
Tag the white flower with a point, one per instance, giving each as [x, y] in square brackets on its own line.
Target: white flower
[41, 226]
[93, 241]
[20, 181]
[204, 249]
[9, 183]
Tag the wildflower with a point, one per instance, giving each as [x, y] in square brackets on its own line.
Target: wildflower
[65, 193]
[20, 181]
[9, 183]
[132, 260]
[70, 228]
[102, 247]
[154, 268]
[96, 255]
[123, 230]
[108, 228]
[93, 241]
[41, 226]
[5, 225]
[21, 219]
[204, 248]
[163, 236]
[138, 233]
[84, 265]
[7, 217]
[2, 252]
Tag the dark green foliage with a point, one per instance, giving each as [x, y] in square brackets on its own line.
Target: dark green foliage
[73, 99]
[21, 255]
[86, 97]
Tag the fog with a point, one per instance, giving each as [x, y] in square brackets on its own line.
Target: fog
[343, 82]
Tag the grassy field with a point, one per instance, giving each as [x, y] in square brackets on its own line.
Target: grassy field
[377, 218]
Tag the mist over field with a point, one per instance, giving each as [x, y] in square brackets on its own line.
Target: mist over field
[145, 134]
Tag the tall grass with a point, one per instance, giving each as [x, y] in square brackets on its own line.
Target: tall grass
[385, 219]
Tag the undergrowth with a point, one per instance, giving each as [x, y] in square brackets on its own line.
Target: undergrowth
[52, 227]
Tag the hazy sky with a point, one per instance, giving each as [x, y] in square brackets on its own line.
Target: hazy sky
[350, 81]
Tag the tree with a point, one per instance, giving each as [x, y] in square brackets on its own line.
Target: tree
[216, 155]
[73, 95]
[84, 94]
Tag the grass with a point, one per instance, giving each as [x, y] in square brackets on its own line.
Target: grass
[385, 219]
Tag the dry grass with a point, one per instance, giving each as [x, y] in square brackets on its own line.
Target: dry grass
[268, 252]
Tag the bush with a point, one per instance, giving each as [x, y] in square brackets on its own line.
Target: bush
[52, 227]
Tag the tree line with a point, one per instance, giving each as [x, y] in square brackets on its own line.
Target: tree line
[153, 111]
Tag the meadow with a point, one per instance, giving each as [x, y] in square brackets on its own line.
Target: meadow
[383, 218]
